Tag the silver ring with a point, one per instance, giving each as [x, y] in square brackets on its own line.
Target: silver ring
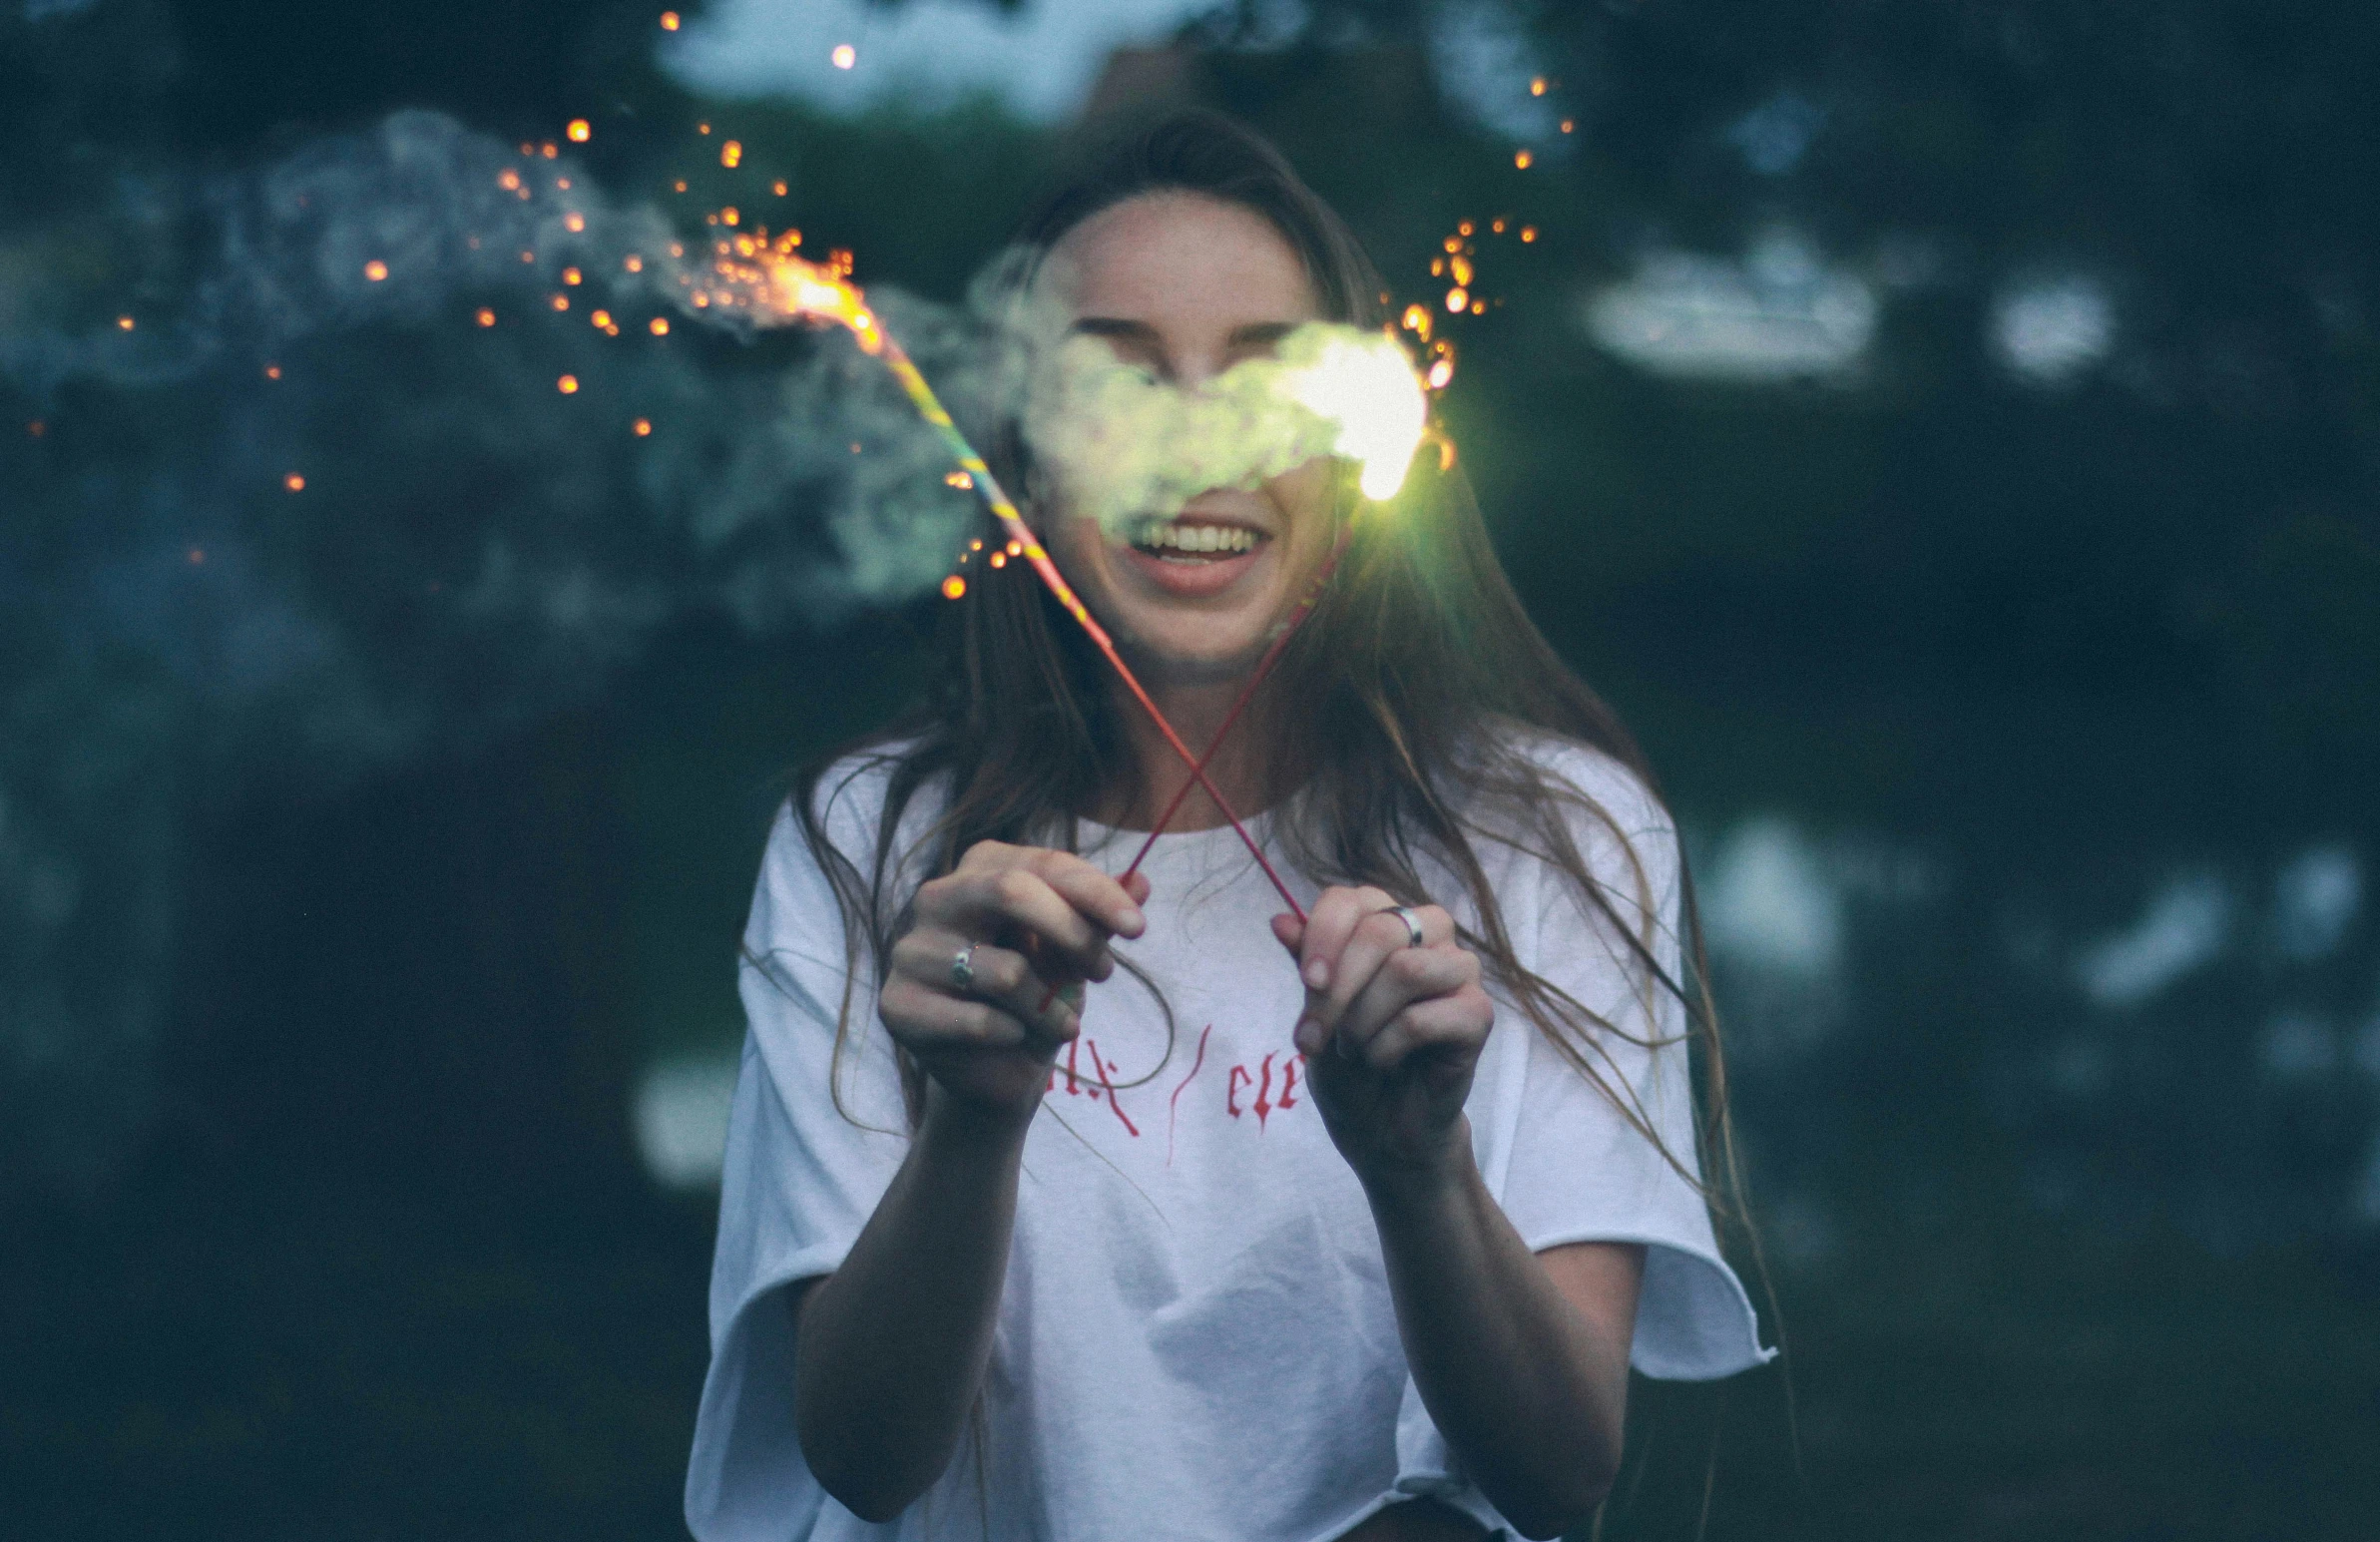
[1412, 924]
[962, 967]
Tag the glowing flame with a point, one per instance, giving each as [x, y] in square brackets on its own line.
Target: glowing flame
[844, 56]
[1368, 388]
[580, 129]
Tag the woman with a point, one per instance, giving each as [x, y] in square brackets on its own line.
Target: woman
[1058, 1206]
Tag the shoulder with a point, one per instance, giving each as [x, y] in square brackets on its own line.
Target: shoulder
[844, 827]
[1584, 786]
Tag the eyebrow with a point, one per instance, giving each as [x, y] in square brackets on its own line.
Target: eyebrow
[1253, 334]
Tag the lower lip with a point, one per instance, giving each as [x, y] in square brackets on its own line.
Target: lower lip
[1194, 580]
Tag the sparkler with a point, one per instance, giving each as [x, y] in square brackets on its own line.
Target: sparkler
[754, 272]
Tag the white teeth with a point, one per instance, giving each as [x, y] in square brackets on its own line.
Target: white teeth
[1198, 538]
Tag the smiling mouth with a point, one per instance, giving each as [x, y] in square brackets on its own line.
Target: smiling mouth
[1191, 543]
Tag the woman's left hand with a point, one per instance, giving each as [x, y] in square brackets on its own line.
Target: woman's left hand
[1391, 1031]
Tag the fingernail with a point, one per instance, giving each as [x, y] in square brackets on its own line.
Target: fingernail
[1317, 973]
[1309, 1036]
[1135, 922]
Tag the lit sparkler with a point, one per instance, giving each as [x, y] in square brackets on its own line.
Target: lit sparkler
[771, 280]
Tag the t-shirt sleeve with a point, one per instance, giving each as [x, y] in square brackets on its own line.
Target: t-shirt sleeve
[815, 1136]
[1618, 1162]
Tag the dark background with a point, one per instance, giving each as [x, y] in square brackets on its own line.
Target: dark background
[341, 920]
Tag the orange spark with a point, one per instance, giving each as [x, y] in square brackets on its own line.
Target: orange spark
[376, 269]
[669, 21]
[1522, 158]
[293, 482]
[272, 371]
[528, 257]
[844, 56]
[999, 559]
[731, 155]
[566, 386]
[574, 221]
[1528, 233]
[701, 128]
[633, 262]
[579, 131]
[508, 180]
[1016, 547]
[1462, 271]
[487, 316]
[601, 318]
[549, 149]
[1465, 229]
[1567, 126]
[728, 215]
[959, 479]
[124, 324]
[1440, 372]
[678, 184]
[1497, 227]
[37, 429]
[661, 326]
[1537, 87]
[561, 302]
[779, 186]
[197, 555]
[571, 276]
[953, 587]
[643, 427]
[1458, 302]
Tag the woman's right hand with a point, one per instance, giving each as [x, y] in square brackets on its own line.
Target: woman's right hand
[1037, 922]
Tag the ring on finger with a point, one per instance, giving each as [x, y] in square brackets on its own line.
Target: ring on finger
[962, 967]
[1414, 932]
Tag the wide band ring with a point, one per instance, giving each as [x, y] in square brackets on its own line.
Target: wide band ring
[962, 967]
[1413, 922]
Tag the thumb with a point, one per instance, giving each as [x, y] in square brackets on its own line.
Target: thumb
[1290, 933]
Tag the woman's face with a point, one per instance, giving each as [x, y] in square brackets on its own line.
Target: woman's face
[1185, 287]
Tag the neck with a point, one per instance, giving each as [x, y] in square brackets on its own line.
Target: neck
[1196, 709]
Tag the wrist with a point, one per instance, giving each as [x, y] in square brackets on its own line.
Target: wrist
[1409, 1177]
[971, 1126]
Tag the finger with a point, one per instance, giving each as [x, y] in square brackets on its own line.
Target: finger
[1454, 1026]
[1377, 938]
[1332, 920]
[1015, 904]
[1002, 977]
[1136, 886]
[1109, 905]
[926, 1021]
[1405, 977]
[1289, 931]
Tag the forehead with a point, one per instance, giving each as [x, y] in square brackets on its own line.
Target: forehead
[1183, 257]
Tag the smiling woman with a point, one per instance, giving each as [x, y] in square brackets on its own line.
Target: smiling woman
[1011, 1244]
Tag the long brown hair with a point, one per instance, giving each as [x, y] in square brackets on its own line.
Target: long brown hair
[1399, 722]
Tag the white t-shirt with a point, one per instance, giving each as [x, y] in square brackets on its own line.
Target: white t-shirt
[1195, 1339]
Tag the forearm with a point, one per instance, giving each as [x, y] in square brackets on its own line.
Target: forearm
[894, 1343]
[1529, 1392]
